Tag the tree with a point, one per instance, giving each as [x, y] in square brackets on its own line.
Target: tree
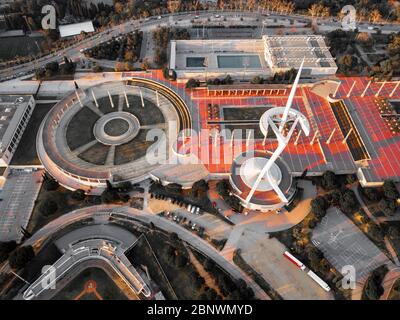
[373, 288]
[349, 202]
[109, 196]
[192, 83]
[336, 196]
[394, 45]
[174, 237]
[211, 294]
[319, 206]
[390, 191]
[170, 253]
[365, 38]
[329, 181]
[348, 62]
[388, 207]
[209, 264]
[130, 56]
[48, 208]
[222, 188]
[375, 16]
[199, 188]
[120, 66]
[315, 256]
[372, 194]
[375, 232]
[181, 260]
[394, 233]
[173, 5]
[78, 195]
[20, 257]
[257, 80]
[5, 249]
[49, 183]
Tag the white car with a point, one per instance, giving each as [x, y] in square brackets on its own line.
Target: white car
[159, 17]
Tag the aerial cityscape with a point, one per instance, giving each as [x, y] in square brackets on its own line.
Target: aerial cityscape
[199, 150]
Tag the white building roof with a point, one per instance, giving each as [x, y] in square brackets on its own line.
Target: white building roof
[12, 108]
[289, 51]
[75, 28]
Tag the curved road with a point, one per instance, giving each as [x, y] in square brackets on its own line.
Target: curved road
[73, 52]
[127, 213]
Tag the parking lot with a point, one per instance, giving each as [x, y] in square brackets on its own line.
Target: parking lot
[191, 217]
[19, 195]
[344, 244]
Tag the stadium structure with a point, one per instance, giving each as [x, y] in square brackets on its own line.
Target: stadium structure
[99, 134]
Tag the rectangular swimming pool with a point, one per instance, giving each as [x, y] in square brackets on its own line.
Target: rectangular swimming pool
[195, 62]
[239, 61]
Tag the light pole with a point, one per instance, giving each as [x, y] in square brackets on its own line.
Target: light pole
[246, 64]
[264, 23]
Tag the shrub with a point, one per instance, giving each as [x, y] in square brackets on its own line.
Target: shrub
[388, 207]
[329, 181]
[319, 206]
[192, 83]
[390, 191]
[5, 249]
[20, 257]
[78, 195]
[48, 207]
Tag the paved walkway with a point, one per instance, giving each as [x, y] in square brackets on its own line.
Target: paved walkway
[19, 195]
[268, 221]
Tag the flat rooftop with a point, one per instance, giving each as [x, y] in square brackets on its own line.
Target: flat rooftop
[289, 51]
[75, 28]
[382, 160]
[12, 107]
[218, 54]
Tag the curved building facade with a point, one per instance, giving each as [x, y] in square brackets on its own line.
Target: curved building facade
[103, 132]
[244, 172]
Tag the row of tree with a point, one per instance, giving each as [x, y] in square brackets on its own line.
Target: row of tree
[124, 48]
[17, 257]
[54, 68]
[161, 37]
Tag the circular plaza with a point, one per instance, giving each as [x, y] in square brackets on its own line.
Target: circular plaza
[105, 132]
